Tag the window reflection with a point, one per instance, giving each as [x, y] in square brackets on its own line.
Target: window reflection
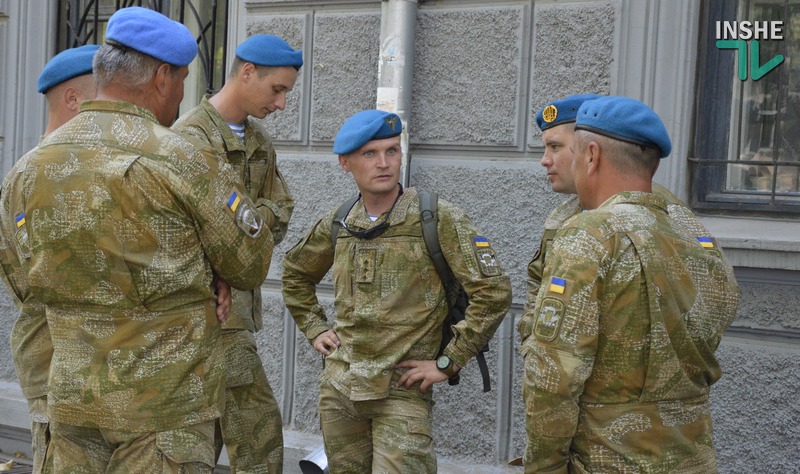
[766, 117]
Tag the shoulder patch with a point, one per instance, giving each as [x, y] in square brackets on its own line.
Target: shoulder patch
[247, 218]
[487, 262]
[233, 201]
[706, 242]
[557, 285]
[548, 321]
[481, 241]
[21, 236]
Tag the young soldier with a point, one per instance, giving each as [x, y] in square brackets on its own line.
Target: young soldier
[621, 354]
[375, 394]
[66, 81]
[263, 72]
[122, 222]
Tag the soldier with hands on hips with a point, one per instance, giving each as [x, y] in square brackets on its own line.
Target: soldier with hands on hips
[375, 389]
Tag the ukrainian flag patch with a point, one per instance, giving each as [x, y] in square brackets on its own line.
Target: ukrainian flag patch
[481, 241]
[557, 285]
[706, 242]
[20, 219]
[233, 201]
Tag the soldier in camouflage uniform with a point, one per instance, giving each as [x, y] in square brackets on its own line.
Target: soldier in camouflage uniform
[375, 398]
[66, 81]
[263, 72]
[123, 224]
[557, 122]
[631, 310]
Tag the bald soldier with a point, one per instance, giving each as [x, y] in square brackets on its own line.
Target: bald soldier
[375, 403]
[263, 72]
[631, 310]
[65, 81]
[124, 225]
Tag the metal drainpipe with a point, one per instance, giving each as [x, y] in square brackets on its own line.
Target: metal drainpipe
[396, 66]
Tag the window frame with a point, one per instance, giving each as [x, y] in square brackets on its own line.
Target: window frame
[712, 130]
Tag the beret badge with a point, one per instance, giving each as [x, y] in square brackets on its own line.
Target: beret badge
[550, 113]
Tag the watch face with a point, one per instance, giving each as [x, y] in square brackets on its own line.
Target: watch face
[443, 362]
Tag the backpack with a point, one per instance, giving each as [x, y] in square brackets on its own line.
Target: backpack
[457, 298]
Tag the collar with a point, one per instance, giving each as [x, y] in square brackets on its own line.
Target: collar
[119, 107]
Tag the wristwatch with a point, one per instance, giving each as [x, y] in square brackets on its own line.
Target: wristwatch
[445, 364]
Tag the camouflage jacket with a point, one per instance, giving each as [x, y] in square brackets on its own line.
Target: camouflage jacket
[621, 357]
[255, 162]
[123, 222]
[390, 303]
[31, 347]
[682, 217]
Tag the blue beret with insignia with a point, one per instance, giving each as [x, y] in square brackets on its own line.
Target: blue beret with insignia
[151, 33]
[66, 65]
[365, 126]
[626, 119]
[562, 111]
[269, 50]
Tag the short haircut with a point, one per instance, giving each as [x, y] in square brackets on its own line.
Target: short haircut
[238, 62]
[627, 158]
[81, 83]
[118, 64]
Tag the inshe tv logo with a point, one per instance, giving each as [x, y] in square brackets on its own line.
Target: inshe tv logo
[737, 34]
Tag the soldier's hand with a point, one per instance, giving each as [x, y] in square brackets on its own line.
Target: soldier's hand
[423, 371]
[223, 299]
[326, 342]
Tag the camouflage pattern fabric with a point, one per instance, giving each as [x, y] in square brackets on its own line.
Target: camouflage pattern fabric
[393, 434]
[621, 357]
[552, 224]
[390, 279]
[681, 216]
[256, 164]
[251, 424]
[40, 435]
[188, 450]
[123, 222]
[31, 347]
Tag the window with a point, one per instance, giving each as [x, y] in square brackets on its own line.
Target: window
[84, 22]
[747, 138]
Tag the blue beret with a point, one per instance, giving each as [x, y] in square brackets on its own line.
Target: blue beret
[66, 65]
[151, 33]
[365, 126]
[269, 50]
[561, 111]
[626, 119]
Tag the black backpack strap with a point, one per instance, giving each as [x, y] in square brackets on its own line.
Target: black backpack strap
[428, 211]
[339, 216]
[428, 207]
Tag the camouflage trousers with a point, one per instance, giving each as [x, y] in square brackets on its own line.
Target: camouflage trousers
[40, 435]
[391, 435]
[188, 450]
[251, 425]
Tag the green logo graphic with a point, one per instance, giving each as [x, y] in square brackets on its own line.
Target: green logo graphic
[757, 70]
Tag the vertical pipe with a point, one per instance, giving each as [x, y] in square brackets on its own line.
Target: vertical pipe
[396, 66]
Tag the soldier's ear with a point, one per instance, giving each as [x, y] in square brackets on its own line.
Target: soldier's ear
[593, 157]
[160, 80]
[343, 162]
[248, 71]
